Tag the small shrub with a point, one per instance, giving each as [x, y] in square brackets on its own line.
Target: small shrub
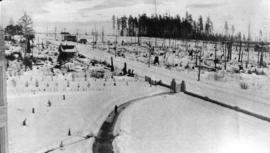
[218, 77]
[97, 74]
[85, 77]
[244, 85]
[61, 144]
[37, 84]
[259, 72]
[73, 77]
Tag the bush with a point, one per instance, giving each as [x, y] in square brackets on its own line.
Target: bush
[73, 77]
[37, 84]
[243, 85]
[259, 72]
[97, 74]
[217, 76]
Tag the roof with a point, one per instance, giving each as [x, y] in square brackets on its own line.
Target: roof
[68, 48]
[65, 33]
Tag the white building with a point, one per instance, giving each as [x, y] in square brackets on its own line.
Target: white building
[3, 98]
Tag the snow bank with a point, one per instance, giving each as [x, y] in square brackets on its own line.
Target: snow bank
[180, 123]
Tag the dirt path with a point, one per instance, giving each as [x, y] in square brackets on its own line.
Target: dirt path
[103, 141]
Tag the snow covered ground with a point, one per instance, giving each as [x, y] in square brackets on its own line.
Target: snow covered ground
[83, 110]
[162, 124]
[180, 123]
[213, 130]
[226, 89]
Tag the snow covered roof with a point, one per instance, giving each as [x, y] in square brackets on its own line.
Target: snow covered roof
[68, 48]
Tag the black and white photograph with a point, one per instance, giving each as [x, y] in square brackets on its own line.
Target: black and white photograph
[134, 76]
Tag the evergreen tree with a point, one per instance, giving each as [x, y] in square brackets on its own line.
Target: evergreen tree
[200, 24]
[113, 20]
[208, 26]
[123, 22]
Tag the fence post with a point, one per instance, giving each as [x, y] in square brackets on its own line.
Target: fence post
[173, 85]
[183, 86]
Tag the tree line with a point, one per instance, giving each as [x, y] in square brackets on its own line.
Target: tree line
[175, 27]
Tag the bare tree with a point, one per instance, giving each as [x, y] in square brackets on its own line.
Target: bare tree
[248, 39]
[113, 20]
[26, 22]
[226, 27]
[240, 49]
[233, 30]
[27, 27]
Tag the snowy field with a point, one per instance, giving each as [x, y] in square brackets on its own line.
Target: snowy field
[226, 87]
[80, 109]
[179, 123]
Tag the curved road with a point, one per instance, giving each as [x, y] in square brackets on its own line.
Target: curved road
[103, 141]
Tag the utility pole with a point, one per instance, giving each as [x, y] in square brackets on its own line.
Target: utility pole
[96, 34]
[248, 55]
[38, 44]
[47, 32]
[248, 44]
[102, 35]
[156, 17]
[225, 55]
[115, 47]
[55, 32]
[215, 60]
[149, 56]
[196, 46]
[93, 41]
[199, 72]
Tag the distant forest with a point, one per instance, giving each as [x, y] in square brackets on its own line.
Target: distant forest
[174, 27]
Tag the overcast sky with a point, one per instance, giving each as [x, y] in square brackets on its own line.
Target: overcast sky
[84, 14]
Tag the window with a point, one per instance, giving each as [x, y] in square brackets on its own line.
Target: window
[2, 140]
